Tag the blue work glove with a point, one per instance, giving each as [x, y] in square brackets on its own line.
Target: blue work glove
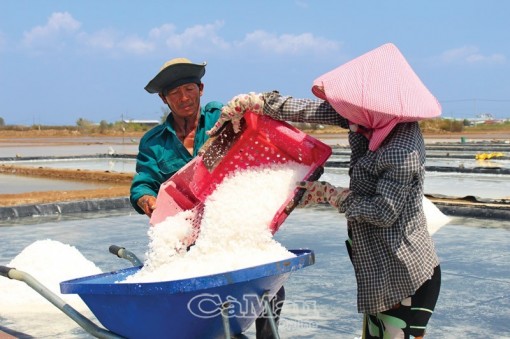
[234, 110]
[318, 192]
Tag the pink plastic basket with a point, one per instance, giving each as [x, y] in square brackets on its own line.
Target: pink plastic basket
[262, 141]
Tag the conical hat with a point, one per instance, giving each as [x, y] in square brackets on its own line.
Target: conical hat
[377, 90]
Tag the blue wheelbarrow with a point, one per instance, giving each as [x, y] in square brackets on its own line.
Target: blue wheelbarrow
[214, 306]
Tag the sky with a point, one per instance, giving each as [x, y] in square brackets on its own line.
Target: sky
[65, 60]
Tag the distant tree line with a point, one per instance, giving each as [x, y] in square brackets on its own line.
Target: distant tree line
[84, 126]
[87, 126]
[446, 125]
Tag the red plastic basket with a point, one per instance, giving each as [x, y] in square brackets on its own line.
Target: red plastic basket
[262, 141]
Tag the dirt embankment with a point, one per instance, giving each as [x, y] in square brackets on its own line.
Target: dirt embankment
[117, 185]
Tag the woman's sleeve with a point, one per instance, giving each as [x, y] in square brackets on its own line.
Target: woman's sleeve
[287, 108]
[398, 169]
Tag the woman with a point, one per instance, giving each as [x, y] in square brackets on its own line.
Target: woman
[380, 99]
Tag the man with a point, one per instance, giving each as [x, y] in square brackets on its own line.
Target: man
[168, 147]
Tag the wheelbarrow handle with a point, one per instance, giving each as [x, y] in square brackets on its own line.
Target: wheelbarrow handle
[114, 249]
[87, 324]
[123, 253]
[4, 271]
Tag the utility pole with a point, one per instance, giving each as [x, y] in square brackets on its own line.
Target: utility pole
[122, 127]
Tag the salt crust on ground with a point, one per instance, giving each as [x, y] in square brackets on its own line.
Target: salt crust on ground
[234, 232]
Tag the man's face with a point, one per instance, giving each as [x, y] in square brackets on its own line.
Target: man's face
[184, 101]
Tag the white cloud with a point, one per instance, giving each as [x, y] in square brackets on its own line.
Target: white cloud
[470, 54]
[114, 42]
[104, 39]
[493, 58]
[58, 26]
[201, 36]
[207, 38]
[161, 32]
[136, 45]
[288, 43]
[62, 29]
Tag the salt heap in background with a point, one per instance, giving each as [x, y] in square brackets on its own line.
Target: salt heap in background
[435, 218]
[234, 232]
[49, 262]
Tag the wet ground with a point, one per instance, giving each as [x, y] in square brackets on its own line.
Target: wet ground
[452, 183]
[475, 292]
[474, 253]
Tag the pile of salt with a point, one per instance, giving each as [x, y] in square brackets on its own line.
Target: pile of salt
[49, 262]
[234, 232]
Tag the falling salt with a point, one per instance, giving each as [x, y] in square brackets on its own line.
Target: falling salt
[234, 232]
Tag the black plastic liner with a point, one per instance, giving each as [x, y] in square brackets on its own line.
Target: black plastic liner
[478, 170]
[480, 212]
[487, 210]
[472, 206]
[68, 207]
[331, 163]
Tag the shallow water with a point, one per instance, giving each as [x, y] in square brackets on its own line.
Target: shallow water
[450, 162]
[475, 292]
[491, 186]
[13, 184]
[94, 164]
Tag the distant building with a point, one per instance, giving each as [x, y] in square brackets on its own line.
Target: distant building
[484, 119]
[150, 123]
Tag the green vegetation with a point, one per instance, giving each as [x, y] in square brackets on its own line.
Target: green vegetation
[82, 127]
[505, 126]
[87, 127]
[439, 126]
[442, 125]
[446, 125]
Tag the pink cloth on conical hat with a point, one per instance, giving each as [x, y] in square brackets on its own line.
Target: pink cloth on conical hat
[377, 90]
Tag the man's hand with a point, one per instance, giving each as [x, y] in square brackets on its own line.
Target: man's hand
[322, 192]
[147, 203]
[234, 110]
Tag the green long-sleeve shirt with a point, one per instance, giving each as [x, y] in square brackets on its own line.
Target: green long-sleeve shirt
[161, 153]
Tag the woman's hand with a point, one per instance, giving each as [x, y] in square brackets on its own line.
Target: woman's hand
[234, 110]
[322, 192]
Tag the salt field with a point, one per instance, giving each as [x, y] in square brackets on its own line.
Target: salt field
[491, 186]
[116, 154]
[12, 184]
[320, 300]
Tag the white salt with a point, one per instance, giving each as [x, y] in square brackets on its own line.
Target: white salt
[166, 238]
[435, 218]
[234, 231]
[49, 262]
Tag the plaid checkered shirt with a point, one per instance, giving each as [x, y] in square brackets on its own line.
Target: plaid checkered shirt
[392, 251]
